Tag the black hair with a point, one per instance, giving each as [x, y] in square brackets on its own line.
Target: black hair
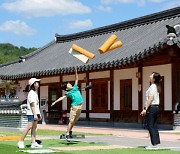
[64, 86]
[27, 89]
[157, 80]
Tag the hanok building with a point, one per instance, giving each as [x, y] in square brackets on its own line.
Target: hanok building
[119, 78]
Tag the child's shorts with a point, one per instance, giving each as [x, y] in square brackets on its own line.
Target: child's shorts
[75, 112]
[31, 117]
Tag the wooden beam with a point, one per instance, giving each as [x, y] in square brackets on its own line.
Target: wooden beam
[112, 95]
[87, 97]
[175, 78]
[60, 91]
[140, 91]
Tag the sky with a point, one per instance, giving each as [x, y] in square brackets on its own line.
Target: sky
[34, 23]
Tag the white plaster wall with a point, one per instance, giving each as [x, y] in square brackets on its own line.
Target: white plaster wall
[50, 80]
[121, 75]
[100, 115]
[164, 70]
[97, 75]
[64, 102]
[19, 92]
[44, 92]
[83, 92]
[72, 77]
[83, 115]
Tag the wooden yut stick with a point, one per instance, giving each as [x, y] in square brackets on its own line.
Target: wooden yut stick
[79, 56]
[107, 43]
[115, 45]
[83, 51]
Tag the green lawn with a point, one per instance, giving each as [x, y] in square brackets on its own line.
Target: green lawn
[10, 147]
[41, 132]
[58, 133]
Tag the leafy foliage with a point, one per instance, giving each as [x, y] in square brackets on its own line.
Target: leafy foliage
[9, 52]
[8, 86]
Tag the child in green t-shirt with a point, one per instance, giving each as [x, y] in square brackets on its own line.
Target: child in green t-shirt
[76, 106]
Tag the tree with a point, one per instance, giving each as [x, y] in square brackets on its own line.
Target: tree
[8, 87]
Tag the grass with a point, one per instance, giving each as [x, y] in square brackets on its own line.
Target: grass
[58, 133]
[42, 132]
[10, 147]
[126, 151]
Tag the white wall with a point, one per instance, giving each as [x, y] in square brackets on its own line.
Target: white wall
[100, 115]
[50, 80]
[44, 92]
[164, 70]
[97, 75]
[19, 92]
[121, 75]
[72, 77]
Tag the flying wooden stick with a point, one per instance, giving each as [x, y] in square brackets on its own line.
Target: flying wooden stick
[110, 44]
[107, 43]
[81, 53]
[115, 45]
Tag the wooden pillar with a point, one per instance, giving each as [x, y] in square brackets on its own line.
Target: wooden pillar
[175, 60]
[112, 95]
[139, 75]
[87, 97]
[60, 91]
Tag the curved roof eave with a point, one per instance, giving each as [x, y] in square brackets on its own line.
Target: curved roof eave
[97, 66]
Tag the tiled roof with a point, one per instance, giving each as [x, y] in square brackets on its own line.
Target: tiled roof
[140, 37]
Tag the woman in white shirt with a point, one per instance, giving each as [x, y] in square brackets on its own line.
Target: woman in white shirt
[151, 109]
[33, 114]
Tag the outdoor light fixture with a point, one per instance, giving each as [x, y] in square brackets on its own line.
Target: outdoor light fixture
[138, 75]
[139, 87]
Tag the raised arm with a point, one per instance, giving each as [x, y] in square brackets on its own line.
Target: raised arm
[76, 76]
[58, 100]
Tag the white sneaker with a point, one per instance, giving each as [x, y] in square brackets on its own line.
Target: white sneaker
[152, 147]
[36, 145]
[21, 144]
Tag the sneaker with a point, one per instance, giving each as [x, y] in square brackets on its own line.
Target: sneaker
[21, 144]
[35, 145]
[152, 147]
[67, 138]
[38, 141]
[70, 134]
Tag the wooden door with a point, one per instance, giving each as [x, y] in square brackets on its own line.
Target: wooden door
[100, 96]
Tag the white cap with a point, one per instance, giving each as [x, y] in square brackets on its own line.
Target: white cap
[33, 80]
